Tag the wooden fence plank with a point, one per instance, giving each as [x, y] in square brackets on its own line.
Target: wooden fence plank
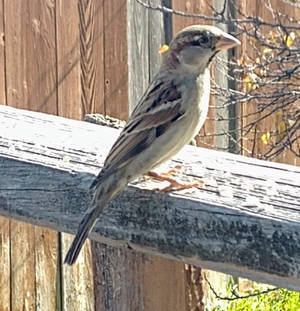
[47, 270]
[5, 264]
[244, 221]
[78, 288]
[117, 277]
[293, 11]
[91, 37]
[31, 84]
[4, 223]
[138, 51]
[30, 55]
[119, 281]
[123, 278]
[165, 284]
[68, 60]
[2, 57]
[22, 266]
[76, 96]
[115, 58]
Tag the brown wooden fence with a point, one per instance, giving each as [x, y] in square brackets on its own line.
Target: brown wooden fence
[70, 58]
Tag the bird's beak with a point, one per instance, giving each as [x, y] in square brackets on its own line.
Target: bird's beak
[226, 41]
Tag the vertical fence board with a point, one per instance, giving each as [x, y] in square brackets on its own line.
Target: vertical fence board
[4, 223]
[118, 282]
[45, 242]
[4, 265]
[78, 288]
[156, 37]
[22, 266]
[76, 95]
[124, 279]
[47, 270]
[251, 142]
[91, 37]
[2, 57]
[31, 77]
[287, 156]
[138, 51]
[118, 277]
[164, 285]
[68, 62]
[115, 59]
[220, 73]
[30, 55]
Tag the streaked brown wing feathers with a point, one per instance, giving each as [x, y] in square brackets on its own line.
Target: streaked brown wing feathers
[139, 134]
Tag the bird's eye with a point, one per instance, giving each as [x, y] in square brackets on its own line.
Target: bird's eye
[203, 40]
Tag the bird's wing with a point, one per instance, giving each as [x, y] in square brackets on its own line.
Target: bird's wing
[153, 116]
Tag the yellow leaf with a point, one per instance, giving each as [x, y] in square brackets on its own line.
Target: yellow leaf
[267, 50]
[248, 82]
[251, 81]
[163, 49]
[265, 138]
[289, 40]
[281, 127]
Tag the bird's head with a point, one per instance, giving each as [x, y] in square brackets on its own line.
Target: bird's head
[194, 47]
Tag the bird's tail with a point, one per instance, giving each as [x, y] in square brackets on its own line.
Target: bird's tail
[104, 192]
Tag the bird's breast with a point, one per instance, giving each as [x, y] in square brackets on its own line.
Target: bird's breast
[196, 102]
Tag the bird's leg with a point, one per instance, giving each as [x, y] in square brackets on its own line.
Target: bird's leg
[173, 184]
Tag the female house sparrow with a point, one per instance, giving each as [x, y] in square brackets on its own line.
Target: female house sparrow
[168, 116]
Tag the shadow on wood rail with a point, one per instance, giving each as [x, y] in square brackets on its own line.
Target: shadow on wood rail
[244, 221]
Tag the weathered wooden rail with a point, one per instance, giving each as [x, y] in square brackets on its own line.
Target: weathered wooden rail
[244, 221]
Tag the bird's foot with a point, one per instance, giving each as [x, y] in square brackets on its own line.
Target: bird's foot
[173, 184]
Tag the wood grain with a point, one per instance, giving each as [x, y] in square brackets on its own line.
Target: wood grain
[4, 223]
[164, 284]
[76, 96]
[31, 84]
[5, 290]
[47, 269]
[77, 287]
[30, 55]
[91, 55]
[245, 220]
[2, 57]
[68, 60]
[138, 52]
[115, 59]
[22, 266]
[120, 278]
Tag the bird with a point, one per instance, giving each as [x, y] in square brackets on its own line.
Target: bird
[167, 117]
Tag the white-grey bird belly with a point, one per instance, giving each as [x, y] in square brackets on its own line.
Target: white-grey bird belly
[195, 105]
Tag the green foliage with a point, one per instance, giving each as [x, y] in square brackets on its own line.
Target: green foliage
[277, 300]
